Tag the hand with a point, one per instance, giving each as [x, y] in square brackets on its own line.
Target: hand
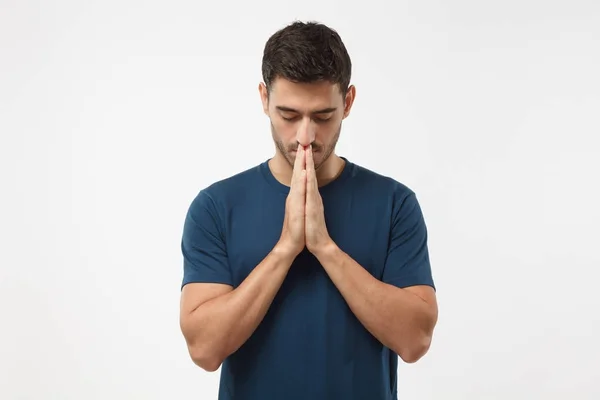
[316, 235]
[292, 238]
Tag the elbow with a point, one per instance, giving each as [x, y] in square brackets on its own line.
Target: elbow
[416, 345]
[200, 350]
[412, 352]
[204, 359]
[203, 354]
[209, 365]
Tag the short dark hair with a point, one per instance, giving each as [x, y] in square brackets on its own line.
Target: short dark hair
[306, 52]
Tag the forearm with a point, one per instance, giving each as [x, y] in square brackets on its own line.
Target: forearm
[224, 323]
[398, 318]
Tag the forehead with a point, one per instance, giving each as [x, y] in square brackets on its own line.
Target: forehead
[305, 96]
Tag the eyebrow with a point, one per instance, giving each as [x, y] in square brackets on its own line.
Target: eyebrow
[322, 111]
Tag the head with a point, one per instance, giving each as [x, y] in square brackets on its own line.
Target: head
[306, 91]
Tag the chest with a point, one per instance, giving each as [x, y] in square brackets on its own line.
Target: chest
[360, 228]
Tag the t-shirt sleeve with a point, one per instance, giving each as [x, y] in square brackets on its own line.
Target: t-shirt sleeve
[203, 244]
[407, 262]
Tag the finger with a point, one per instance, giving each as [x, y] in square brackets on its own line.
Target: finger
[310, 162]
[297, 167]
[311, 176]
[303, 173]
[301, 187]
[298, 183]
[299, 164]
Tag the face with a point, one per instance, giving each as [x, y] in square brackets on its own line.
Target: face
[305, 113]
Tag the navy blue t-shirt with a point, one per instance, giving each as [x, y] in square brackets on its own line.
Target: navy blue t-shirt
[309, 345]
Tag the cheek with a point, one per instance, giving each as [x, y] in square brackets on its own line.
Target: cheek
[283, 130]
[327, 134]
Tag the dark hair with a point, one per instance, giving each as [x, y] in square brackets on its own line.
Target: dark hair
[306, 52]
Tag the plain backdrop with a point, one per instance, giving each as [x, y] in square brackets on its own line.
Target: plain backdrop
[114, 114]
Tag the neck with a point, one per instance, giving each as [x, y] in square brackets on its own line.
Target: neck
[327, 172]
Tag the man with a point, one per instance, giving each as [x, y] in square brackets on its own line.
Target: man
[306, 276]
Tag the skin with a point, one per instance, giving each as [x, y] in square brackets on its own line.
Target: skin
[216, 319]
[306, 114]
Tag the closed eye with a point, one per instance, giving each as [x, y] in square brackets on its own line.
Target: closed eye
[290, 114]
[317, 119]
[323, 119]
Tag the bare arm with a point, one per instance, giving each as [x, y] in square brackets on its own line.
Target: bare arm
[216, 319]
[401, 319]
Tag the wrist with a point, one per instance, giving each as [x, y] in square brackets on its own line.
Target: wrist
[285, 252]
[326, 250]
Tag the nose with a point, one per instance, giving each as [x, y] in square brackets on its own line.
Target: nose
[305, 134]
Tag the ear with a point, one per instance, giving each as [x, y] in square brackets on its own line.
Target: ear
[264, 97]
[349, 100]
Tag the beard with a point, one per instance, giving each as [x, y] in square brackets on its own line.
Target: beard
[322, 152]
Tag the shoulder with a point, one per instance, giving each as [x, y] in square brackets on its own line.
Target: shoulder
[222, 193]
[391, 194]
[378, 184]
[235, 184]
[397, 199]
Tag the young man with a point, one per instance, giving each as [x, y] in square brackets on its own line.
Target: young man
[306, 276]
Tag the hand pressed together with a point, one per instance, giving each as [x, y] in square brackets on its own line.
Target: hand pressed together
[304, 221]
[315, 230]
[292, 234]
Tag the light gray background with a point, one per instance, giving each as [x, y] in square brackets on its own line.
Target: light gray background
[113, 114]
